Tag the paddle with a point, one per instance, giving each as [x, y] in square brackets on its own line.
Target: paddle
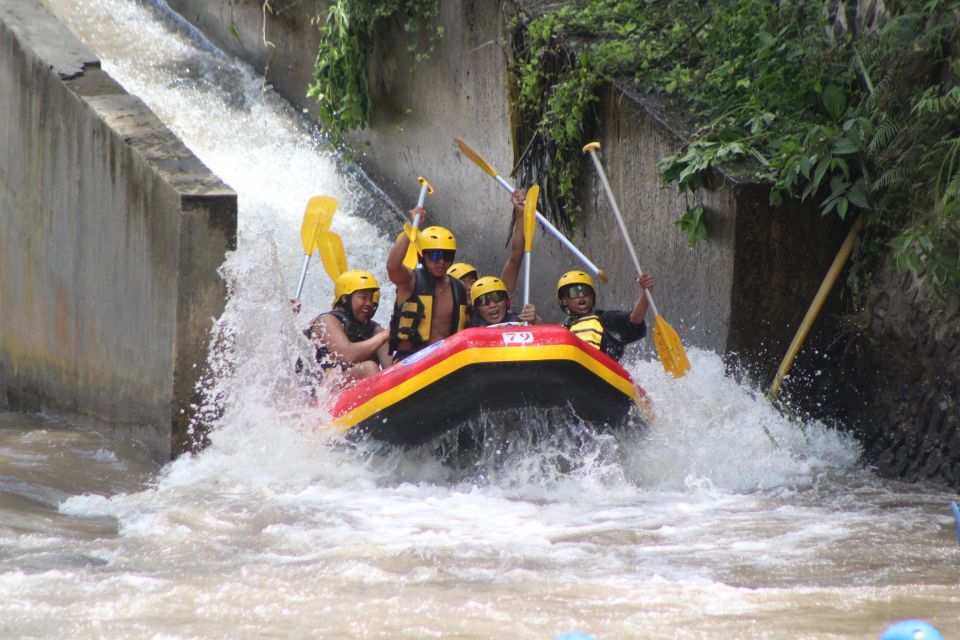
[529, 224]
[316, 220]
[332, 253]
[480, 162]
[413, 251]
[672, 354]
[815, 306]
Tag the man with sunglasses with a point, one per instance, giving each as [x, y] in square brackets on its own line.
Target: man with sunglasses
[608, 331]
[491, 304]
[430, 304]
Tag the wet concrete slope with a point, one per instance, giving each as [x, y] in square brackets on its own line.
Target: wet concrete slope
[111, 233]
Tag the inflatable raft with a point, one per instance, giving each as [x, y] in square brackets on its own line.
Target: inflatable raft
[485, 371]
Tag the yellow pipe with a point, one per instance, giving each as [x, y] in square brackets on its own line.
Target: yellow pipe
[828, 281]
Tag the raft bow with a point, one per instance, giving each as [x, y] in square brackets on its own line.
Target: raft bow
[488, 370]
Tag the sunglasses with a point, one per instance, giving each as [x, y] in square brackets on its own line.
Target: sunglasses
[491, 298]
[438, 255]
[578, 290]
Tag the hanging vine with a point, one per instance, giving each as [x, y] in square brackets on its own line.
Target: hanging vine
[348, 32]
[864, 122]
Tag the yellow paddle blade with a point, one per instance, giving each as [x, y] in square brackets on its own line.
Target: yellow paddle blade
[530, 217]
[473, 155]
[331, 250]
[672, 354]
[316, 219]
[413, 251]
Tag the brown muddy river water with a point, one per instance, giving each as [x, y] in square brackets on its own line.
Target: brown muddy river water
[700, 527]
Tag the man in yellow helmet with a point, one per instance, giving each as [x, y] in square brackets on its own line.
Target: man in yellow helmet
[465, 273]
[491, 304]
[346, 337]
[608, 331]
[430, 304]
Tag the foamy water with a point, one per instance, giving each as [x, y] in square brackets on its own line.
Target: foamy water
[723, 519]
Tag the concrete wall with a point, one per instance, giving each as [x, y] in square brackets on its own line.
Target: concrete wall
[111, 233]
[901, 372]
[743, 292]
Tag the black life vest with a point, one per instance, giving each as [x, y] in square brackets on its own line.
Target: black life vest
[411, 320]
[355, 332]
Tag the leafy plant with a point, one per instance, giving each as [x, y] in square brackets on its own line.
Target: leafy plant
[693, 224]
[856, 122]
[931, 245]
[348, 34]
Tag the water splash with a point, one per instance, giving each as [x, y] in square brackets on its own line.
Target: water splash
[723, 518]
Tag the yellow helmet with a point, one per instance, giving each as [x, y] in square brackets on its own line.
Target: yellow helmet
[437, 238]
[486, 284]
[350, 281]
[460, 270]
[575, 277]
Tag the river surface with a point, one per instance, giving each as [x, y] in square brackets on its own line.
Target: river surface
[723, 520]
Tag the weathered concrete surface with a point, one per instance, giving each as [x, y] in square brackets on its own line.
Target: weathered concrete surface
[743, 292]
[900, 377]
[282, 41]
[111, 233]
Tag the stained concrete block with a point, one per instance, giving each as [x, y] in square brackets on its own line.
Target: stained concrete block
[111, 233]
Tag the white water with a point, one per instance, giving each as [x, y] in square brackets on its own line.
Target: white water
[725, 520]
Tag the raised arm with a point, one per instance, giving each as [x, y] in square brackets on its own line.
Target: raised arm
[511, 268]
[640, 306]
[401, 275]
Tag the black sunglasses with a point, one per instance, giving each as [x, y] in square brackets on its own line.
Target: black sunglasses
[437, 255]
[491, 298]
[577, 290]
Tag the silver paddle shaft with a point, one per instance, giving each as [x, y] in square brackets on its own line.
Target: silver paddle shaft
[556, 233]
[526, 278]
[303, 276]
[621, 224]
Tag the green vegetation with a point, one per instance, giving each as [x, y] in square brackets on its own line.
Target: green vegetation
[860, 123]
[348, 33]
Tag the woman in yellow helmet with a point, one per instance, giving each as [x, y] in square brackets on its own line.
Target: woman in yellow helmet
[491, 304]
[608, 331]
[346, 337]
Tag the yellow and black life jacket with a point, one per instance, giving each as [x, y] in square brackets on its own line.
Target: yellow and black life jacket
[588, 328]
[411, 320]
[608, 331]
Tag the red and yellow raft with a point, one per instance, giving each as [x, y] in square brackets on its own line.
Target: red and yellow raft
[487, 370]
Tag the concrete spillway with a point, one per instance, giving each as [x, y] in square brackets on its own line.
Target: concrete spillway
[111, 233]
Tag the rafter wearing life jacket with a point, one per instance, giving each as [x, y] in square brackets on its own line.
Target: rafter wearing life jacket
[608, 331]
[410, 324]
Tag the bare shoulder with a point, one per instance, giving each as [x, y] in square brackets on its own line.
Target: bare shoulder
[325, 323]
